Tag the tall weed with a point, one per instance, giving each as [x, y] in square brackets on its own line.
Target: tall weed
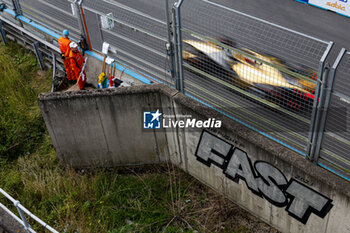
[21, 125]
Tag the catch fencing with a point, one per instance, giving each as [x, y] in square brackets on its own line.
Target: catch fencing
[270, 78]
[259, 73]
[55, 15]
[333, 144]
[137, 38]
[9, 3]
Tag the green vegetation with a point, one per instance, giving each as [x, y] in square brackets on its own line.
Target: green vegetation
[138, 199]
[21, 126]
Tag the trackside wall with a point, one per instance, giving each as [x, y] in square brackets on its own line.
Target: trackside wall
[104, 128]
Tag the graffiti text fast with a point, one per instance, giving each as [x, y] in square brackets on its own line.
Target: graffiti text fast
[263, 179]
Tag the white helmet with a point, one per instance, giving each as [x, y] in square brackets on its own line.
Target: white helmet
[73, 45]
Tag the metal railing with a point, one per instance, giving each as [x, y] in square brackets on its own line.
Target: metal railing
[22, 210]
[272, 79]
[32, 40]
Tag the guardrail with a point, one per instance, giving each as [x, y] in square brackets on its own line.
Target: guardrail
[37, 44]
[22, 210]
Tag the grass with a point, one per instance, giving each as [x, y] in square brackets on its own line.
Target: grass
[131, 199]
[21, 126]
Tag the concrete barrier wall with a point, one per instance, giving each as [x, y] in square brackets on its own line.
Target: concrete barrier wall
[105, 128]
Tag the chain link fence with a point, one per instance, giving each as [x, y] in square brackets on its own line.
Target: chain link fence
[56, 15]
[138, 38]
[334, 138]
[8, 3]
[257, 72]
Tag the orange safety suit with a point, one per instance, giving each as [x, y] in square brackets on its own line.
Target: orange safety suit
[63, 44]
[77, 62]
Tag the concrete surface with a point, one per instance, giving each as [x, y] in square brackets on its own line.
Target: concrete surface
[101, 125]
[104, 128]
[9, 224]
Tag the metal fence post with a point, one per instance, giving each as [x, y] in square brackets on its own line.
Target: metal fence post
[81, 21]
[25, 223]
[2, 33]
[315, 104]
[77, 13]
[82, 15]
[53, 71]
[98, 19]
[178, 45]
[17, 7]
[38, 55]
[174, 38]
[329, 90]
[319, 109]
[170, 44]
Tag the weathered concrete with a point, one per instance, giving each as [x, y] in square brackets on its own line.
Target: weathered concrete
[9, 224]
[104, 128]
[82, 126]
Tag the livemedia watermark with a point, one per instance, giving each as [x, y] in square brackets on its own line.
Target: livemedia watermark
[158, 120]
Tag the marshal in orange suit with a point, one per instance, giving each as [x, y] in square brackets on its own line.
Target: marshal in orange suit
[77, 64]
[63, 43]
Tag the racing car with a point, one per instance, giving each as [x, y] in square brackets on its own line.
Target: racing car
[267, 77]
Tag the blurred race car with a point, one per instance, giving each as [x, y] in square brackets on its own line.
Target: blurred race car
[289, 86]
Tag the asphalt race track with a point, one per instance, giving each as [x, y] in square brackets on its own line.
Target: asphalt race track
[310, 20]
